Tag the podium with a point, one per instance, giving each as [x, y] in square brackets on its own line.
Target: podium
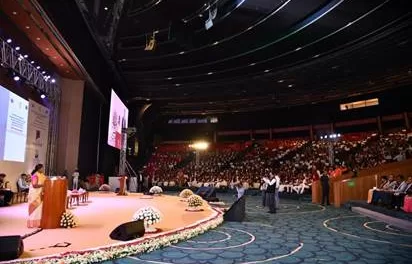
[122, 187]
[54, 202]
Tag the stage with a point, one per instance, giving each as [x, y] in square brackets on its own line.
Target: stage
[98, 217]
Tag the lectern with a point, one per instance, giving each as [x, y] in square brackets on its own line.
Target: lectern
[122, 188]
[54, 202]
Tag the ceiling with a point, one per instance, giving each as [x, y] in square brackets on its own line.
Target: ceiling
[258, 54]
[40, 43]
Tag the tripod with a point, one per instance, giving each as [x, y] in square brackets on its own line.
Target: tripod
[132, 175]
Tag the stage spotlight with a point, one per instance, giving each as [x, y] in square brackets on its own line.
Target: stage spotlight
[17, 48]
[42, 96]
[16, 78]
[25, 56]
[32, 62]
[8, 40]
[53, 80]
[43, 72]
[38, 67]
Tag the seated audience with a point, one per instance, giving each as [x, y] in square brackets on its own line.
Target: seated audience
[6, 195]
[22, 183]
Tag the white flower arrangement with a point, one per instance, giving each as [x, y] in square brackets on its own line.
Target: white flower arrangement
[194, 201]
[68, 220]
[149, 215]
[156, 190]
[185, 193]
[144, 245]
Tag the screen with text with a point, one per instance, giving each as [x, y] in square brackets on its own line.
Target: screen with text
[14, 112]
[118, 120]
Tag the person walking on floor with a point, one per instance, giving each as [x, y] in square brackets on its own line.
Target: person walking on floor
[324, 180]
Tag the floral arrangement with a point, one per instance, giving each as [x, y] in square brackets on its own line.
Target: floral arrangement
[68, 220]
[156, 190]
[143, 245]
[185, 193]
[195, 201]
[150, 216]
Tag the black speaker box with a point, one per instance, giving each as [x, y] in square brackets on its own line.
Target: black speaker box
[237, 211]
[128, 231]
[11, 247]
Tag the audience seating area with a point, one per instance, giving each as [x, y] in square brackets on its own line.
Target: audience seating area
[298, 162]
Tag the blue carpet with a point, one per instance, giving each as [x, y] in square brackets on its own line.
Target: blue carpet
[299, 233]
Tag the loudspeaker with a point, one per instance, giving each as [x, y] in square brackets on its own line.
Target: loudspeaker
[11, 247]
[237, 211]
[128, 231]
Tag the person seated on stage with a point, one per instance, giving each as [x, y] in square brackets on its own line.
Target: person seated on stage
[5, 192]
[400, 193]
[172, 183]
[22, 183]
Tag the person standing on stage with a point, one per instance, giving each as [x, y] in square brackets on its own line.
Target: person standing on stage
[35, 197]
[277, 184]
[263, 188]
[270, 193]
[140, 181]
[75, 177]
[324, 180]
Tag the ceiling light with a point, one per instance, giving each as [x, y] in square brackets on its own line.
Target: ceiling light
[216, 42]
[252, 64]
[298, 48]
[106, 8]
[177, 84]
[37, 38]
[25, 56]
[43, 72]
[32, 62]
[27, 27]
[14, 13]
[169, 78]
[16, 78]
[267, 70]
[17, 48]
[290, 85]
[281, 81]
[200, 15]
[20, 58]
[249, 28]
[42, 96]
[8, 40]
[182, 52]
[209, 73]
[317, 55]
[53, 81]
[157, 31]
[38, 67]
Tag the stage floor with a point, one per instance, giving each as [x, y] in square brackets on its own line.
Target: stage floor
[97, 219]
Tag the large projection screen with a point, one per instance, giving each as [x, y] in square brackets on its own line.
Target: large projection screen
[14, 112]
[118, 119]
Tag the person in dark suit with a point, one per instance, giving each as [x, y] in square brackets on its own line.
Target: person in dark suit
[271, 193]
[324, 181]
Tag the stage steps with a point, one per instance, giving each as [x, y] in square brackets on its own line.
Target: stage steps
[397, 222]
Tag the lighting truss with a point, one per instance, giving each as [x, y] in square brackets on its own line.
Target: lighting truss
[10, 58]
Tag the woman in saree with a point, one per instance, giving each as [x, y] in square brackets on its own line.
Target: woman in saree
[35, 197]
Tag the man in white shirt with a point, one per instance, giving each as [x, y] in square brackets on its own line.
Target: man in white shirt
[75, 177]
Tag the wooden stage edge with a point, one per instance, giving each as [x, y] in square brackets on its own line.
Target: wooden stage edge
[90, 242]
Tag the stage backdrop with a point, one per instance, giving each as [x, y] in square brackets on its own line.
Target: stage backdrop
[37, 135]
[36, 144]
